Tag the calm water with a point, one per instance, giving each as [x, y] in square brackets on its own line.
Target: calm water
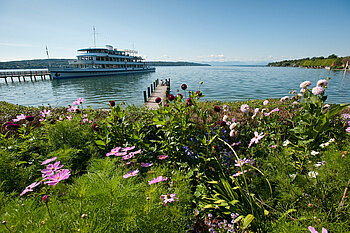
[225, 83]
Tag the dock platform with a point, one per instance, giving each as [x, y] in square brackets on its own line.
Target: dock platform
[157, 90]
[32, 74]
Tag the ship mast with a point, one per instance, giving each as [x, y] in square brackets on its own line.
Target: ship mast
[93, 28]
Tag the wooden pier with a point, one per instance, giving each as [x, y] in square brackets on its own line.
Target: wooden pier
[157, 89]
[32, 75]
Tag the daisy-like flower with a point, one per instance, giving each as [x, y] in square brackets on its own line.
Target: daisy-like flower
[273, 146]
[146, 164]
[331, 140]
[266, 102]
[256, 138]
[244, 108]
[51, 169]
[162, 157]
[85, 120]
[30, 188]
[284, 98]
[69, 118]
[313, 174]
[131, 173]
[317, 90]
[157, 180]
[239, 173]
[286, 142]
[128, 148]
[314, 152]
[292, 176]
[19, 117]
[225, 118]
[225, 108]
[233, 125]
[62, 175]
[305, 84]
[49, 161]
[233, 133]
[322, 83]
[169, 198]
[241, 162]
[313, 230]
[74, 108]
[302, 90]
[114, 151]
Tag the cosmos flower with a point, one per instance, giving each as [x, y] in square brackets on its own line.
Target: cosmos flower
[169, 198]
[51, 169]
[62, 175]
[146, 164]
[49, 161]
[19, 117]
[239, 173]
[157, 180]
[244, 108]
[256, 138]
[30, 188]
[314, 152]
[131, 173]
[313, 230]
[162, 157]
[241, 162]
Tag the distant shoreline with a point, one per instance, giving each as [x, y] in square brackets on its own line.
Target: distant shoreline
[64, 63]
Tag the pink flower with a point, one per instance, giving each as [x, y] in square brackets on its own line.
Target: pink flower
[317, 90]
[85, 120]
[62, 175]
[45, 113]
[266, 102]
[313, 230]
[157, 180]
[274, 146]
[69, 118]
[348, 130]
[128, 148]
[302, 91]
[163, 157]
[256, 138]
[244, 108]
[146, 164]
[305, 84]
[51, 169]
[168, 198]
[49, 161]
[131, 173]
[225, 108]
[73, 108]
[19, 117]
[322, 83]
[78, 101]
[30, 188]
[239, 173]
[284, 98]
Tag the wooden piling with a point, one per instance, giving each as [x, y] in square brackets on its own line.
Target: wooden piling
[6, 80]
[144, 96]
[149, 94]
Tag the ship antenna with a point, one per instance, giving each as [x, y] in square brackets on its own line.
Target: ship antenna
[94, 35]
[48, 58]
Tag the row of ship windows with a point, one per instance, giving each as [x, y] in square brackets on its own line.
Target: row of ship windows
[108, 59]
[107, 66]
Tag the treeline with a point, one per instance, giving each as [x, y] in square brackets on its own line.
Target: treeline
[63, 63]
[332, 61]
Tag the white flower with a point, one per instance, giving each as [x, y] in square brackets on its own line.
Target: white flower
[286, 142]
[322, 145]
[244, 108]
[322, 83]
[284, 98]
[317, 90]
[266, 102]
[331, 140]
[225, 118]
[232, 133]
[292, 175]
[313, 174]
[326, 144]
[314, 152]
[305, 84]
[233, 125]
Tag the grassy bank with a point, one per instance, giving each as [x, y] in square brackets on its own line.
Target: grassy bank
[191, 166]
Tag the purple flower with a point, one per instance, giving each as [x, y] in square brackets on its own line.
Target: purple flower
[162, 157]
[19, 117]
[171, 97]
[157, 180]
[244, 108]
[49, 161]
[168, 198]
[114, 151]
[30, 188]
[217, 109]
[62, 175]
[183, 86]
[131, 173]
[348, 130]
[146, 164]
[241, 162]
[317, 90]
[157, 100]
[51, 169]
[256, 138]
[239, 173]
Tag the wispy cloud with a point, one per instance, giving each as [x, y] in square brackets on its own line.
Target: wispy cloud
[15, 44]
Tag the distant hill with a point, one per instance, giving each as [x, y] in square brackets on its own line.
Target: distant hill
[61, 63]
[332, 61]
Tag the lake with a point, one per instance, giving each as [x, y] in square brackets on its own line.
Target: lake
[224, 83]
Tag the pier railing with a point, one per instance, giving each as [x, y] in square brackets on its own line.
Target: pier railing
[32, 74]
[156, 89]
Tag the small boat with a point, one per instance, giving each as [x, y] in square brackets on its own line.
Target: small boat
[93, 62]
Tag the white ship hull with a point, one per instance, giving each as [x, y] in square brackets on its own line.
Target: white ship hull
[62, 73]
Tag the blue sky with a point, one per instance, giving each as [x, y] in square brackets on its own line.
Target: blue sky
[184, 30]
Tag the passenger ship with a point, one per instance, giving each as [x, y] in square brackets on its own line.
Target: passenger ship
[101, 62]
